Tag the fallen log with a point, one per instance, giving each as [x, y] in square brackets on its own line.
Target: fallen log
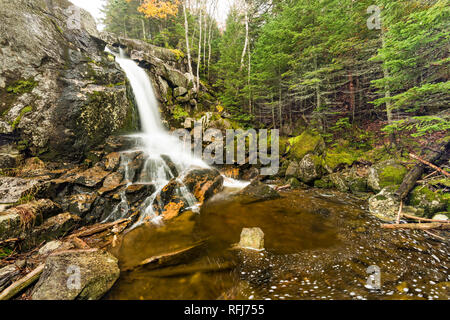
[414, 174]
[429, 164]
[418, 226]
[21, 284]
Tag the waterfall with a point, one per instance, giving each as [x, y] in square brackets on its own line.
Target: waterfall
[156, 143]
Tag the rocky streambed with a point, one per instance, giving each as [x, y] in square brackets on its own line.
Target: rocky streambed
[318, 245]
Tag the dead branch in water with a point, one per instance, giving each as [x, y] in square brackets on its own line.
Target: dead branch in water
[283, 187]
[22, 283]
[418, 226]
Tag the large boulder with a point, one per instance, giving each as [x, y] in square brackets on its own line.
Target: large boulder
[78, 274]
[307, 170]
[386, 173]
[385, 204]
[428, 200]
[60, 93]
[203, 183]
[306, 143]
[259, 191]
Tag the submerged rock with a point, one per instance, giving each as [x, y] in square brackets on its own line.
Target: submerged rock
[78, 274]
[252, 238]
[260, 191]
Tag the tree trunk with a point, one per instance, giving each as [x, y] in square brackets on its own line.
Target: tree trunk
[412, 176]
[186, 28]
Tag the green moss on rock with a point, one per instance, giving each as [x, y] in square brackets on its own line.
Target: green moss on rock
[307, 142]
[429, 200]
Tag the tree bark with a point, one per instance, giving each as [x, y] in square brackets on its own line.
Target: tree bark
[186, 28]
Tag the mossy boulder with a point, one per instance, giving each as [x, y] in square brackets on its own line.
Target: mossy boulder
[335, 159]
[386, 173]
[428, 200]
[310, 168]
[306, 143]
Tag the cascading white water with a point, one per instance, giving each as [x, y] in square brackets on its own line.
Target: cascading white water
[156, 143]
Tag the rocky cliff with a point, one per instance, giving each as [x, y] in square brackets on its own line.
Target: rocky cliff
[60, 93]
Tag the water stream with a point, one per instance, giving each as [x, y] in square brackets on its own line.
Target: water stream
[317, 246]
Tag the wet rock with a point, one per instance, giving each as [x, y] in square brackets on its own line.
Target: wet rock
[203, 183]
[91, 177]
[172, 167]
[386, 173]
[113, 181]
[53, 228]
[259, 191]
[80, 204]
[80, 274]
[385, 204]
[112, 161]
[169, 202]
[252, 238]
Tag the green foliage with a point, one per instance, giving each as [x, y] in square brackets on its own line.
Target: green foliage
[179, 113]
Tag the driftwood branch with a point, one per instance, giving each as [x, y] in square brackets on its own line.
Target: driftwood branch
[429, 164]
[424, 219]
[21, 284]
[418, 226]
[415, 173]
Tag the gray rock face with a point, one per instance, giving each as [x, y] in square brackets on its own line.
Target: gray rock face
[59, 92]
[384, 205]
[78, 274]
[12, 189]
[252, 238]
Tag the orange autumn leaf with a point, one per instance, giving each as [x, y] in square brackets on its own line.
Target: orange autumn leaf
[159, 8]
